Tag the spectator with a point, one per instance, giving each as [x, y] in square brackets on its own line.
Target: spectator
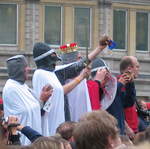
[66, 130]
[102, 87]
[97, 129]
[130, 64]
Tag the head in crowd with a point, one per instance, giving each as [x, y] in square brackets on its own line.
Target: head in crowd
[66, 130]
[98, 64]
[52, 142]
[46, 143]
[99, 115]
[101, 72]
[96, 130]
[94, 135]
[131, 64]
[44, 56]
[17, 68]
[69, 57]
[70, 53]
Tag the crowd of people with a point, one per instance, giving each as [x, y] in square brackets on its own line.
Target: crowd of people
[77, 105]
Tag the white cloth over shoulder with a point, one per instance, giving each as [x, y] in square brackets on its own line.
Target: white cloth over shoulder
[19, 101]
[55, 116]
[79, 101]
[110, 92]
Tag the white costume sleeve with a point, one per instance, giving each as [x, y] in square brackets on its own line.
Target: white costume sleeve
[19, 101]
[55, 116]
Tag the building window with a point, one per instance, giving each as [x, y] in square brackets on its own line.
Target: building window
[52, 32]
[142, 31]
[82, 26]
[8, 24]
[120, 28]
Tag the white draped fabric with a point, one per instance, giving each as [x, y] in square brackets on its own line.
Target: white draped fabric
[79, 101]
[19, 101]
[55, 113]
[110, 92]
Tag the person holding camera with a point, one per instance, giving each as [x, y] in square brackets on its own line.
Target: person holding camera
[130, 64]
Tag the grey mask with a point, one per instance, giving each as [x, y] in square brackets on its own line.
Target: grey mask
[69, 57]
[16, 68]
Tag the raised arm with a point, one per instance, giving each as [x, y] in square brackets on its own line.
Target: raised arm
[73, 70]
[69, 86]
[103, 42]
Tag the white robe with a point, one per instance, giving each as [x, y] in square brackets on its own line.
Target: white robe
[54, 116]
[79, 101]
[19, 101]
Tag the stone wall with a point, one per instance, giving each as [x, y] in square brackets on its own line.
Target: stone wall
[32, 34]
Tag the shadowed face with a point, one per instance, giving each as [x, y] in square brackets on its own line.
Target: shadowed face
[135, 67]
[26, 72]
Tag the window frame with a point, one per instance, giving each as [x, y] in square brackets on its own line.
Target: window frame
[61, 25]
[91, 25]
[17, 26]
[126, 27]
[141, 51]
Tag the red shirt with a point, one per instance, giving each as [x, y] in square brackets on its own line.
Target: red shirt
[132, 117]
[130, 111]
[148, 105]
[94, 93]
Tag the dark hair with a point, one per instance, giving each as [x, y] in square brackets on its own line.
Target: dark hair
[125, 63]
[66, 129]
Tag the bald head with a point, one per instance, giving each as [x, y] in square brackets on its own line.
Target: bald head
[129, 63]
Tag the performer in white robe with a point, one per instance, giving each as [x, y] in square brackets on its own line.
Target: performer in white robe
[18, 98]
[45, 59]
[55, 113]
[78, 99]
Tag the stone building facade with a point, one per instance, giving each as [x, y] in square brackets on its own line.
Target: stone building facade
[59, 22]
